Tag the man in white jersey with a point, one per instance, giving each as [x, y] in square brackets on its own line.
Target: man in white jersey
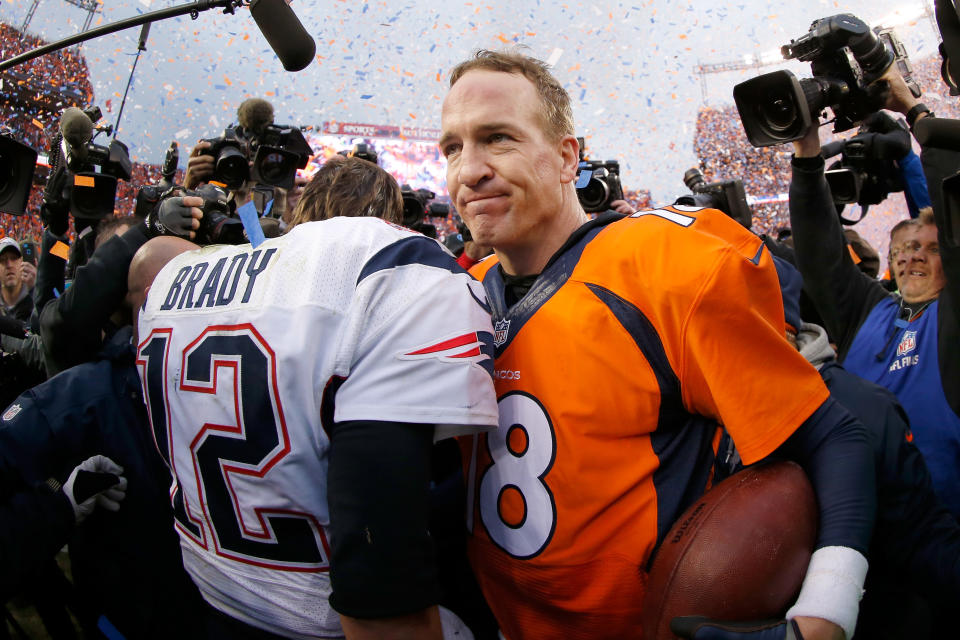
[295, 390]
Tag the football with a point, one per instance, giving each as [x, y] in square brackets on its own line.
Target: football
[739, 553]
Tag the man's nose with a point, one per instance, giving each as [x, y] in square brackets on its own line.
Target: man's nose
[474, 166]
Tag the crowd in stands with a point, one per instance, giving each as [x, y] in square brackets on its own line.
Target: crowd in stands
[65, 71]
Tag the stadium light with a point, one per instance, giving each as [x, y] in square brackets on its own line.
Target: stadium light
[772, 56]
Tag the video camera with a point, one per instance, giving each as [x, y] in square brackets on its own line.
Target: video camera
[598, 184]
[416, 205]
[74, 161]
[867, 172]
[218, 224]
[361, 150]
[846, 58]
[726, 195]
[269, 156]
[17, 164]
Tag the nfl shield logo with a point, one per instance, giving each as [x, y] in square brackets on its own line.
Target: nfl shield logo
[500, 331]
[11, 413]
[908, 343]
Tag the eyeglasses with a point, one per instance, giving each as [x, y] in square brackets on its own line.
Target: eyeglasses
[913, 247]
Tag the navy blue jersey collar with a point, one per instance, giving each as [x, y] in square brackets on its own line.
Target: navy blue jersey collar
[554, 275]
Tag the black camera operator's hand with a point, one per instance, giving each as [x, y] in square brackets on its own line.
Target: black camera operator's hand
[622, 206]
[199, 166]
[880, 122]
[176, 215]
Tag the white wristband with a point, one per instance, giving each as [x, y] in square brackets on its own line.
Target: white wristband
[832, 587]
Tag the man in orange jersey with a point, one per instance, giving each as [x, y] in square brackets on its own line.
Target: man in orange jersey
[621, 343]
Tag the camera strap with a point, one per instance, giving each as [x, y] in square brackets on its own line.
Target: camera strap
[863, 213]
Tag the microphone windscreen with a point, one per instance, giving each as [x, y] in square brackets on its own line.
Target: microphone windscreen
[76, 127]
[941, 133]
[254, 114]
[284, 32]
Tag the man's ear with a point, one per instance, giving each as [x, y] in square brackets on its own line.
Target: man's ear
[570, 154]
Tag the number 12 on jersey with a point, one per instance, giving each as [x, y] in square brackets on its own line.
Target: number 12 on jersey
[221, 454]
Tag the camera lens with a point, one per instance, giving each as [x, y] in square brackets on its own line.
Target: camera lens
[593, 195]
[275, 167]
[232, 168]
[8, 181]
[871, 53]
[778, 114]
[693, 178]
[414, 208]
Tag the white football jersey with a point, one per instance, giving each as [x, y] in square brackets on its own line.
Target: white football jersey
[244, 353]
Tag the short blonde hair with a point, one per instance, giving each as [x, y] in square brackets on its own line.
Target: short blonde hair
[349, 187]
[555, 110]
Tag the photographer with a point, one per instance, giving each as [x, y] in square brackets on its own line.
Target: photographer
[74, 325]
[908, 342]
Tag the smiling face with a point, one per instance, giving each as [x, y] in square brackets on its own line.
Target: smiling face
[510, 182]
[918, 270]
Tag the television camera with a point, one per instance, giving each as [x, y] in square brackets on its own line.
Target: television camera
[846, 58]
[726, 195]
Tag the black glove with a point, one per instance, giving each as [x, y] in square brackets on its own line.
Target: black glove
[701, 628]
[95, 481]
[881, 122]
[170, 217]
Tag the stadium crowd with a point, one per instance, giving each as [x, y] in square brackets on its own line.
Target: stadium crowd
[88, 397]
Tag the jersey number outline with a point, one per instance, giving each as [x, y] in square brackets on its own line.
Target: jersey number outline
[280, 538]
[522, 449]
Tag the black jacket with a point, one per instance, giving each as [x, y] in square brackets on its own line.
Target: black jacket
[73, 324]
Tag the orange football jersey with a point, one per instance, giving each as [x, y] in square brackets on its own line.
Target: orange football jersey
[612, 375]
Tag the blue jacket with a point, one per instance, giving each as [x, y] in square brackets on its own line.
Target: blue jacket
[126, 565]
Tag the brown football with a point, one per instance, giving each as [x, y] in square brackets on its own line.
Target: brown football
[738, 553]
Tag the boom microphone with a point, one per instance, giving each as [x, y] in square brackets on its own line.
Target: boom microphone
[284, 32]
[254, 114]
[77, 131]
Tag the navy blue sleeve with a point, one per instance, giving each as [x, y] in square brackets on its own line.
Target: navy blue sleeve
[916, 537]
[34, 524]
[833, 448]
[34, 521]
